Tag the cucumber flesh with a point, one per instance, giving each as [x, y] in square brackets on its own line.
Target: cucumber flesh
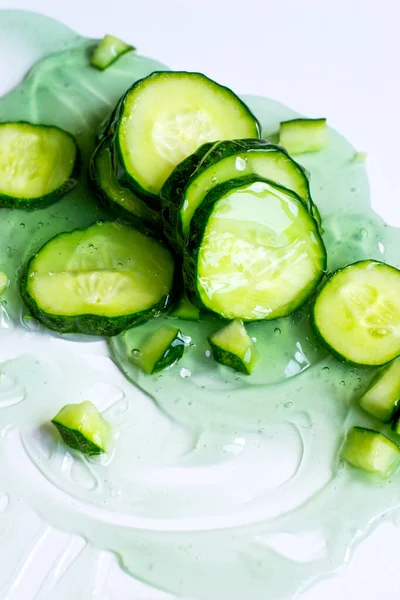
[4, 281]
[161, 350]
[371, 451]
[38, 164]
[185, 311]
[99, 281]
[357, 313]
[299, 136]
[108, 50]
[83, 428]
[166, 116]
[253, 252]
[233, 347]
[381, 398]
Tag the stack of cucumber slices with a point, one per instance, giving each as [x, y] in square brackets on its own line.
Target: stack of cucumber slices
[206, 218]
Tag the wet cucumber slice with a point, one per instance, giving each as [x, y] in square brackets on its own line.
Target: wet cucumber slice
[38, 164]
[382, 396]
[4, 281]
[357, 313]
[121, 201]
[185, 311]
[108, 51]
[233, 347]
[83, 428]
[99, 281]
[165, 117]
[161, 350]
[371, 451]
[222, 161]
[304, 135]
[253, 251]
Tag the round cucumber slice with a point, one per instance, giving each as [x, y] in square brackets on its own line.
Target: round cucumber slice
[357, 313]
[253, 251]
[166, 116]
[99, 281]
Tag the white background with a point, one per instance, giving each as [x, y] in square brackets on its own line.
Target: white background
[338, 59]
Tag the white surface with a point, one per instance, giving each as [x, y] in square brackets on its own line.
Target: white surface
[339, 61]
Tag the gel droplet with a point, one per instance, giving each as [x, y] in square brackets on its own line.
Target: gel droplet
[277, 331]
[185, 373]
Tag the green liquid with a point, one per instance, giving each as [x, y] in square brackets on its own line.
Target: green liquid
[211, 467]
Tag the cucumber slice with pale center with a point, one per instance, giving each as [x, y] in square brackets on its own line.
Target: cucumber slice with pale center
[371, 451]
[299, 136]
[108, 50]
[382, 396]
[166, 116]
[161, 350]
[254, 251]
[357, 313]
[83, 428]
[233, 347]
[38, 164]
[100, 280]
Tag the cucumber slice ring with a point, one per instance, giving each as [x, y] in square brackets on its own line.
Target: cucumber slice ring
[253, 251]
[357, 313]
[98, 281]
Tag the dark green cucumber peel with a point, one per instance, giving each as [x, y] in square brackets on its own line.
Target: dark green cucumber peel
[232, 347]
[163, 349]
[76, 440]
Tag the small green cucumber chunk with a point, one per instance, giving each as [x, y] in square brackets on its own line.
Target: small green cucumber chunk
[185, 310]
[83, 428]
[371, 451]
[304, 135]
[161, 350]
[382, 396]
[233, 347]
[4, 281]
[108, 50]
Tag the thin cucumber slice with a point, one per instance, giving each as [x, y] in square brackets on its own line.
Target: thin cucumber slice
[357, 313]
[108, 50]
[185, 311]
[253, 251]
[4, 281]
[161, 350]
[382, 396]
[232, 346]
[165, 117]
[38, 164]
[121, 201]
[99, 281]
[299, 136]
[191, 180]
[371, 451]
[83, 428]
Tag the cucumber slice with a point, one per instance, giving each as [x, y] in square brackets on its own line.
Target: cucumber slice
[253, 251]
[382, 396]
[100, 280]
[108, 50]
[83, 428]
[192, 179]
[232, 347]
[185, 311]
[165, 117]
[371, 451]
[161, 350]
[121, 201]
[38, 164]
[4, 281]
[357, 313]
[304, 135]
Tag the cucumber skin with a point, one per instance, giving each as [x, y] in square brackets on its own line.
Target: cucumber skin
[76, 440]
[112, 126]
[43, 201]
[319, 336]
[92, 324]
[196, 232]
[171, 356]
[228, 359]
[207, 155]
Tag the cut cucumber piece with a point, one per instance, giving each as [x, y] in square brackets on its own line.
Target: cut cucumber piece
[371, 451]
[253, 251]
[108, 50]
[83, 428]
[222, 161]
[357, 313]
[304, 135]
[185, 311]
[4, 281]
[121, 201]
[232, 347]
[100, 280]
[161, 350]
[382, 396]
[38, 164]
[165, 117]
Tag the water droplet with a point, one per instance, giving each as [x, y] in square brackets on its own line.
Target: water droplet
[190, 403]
[277, 331]
[136, 353]
[207, 353]
[363, 233]
[119, 266]
[240, 163]
[288, 404]
[342, 383]
[326, 369]
[185, 373]
[40, 224]
[22, 225]
[214, 179]
[261, 430]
